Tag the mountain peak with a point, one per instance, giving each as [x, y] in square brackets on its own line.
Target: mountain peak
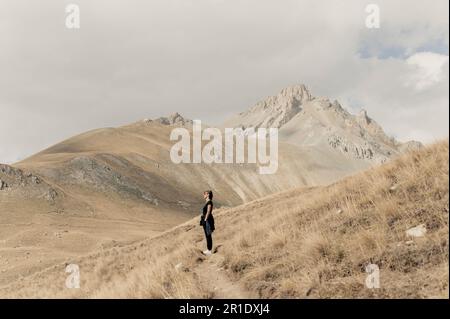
[300, 92]
[306, 120]
[174, 119]
[274, 111]
[363, 117]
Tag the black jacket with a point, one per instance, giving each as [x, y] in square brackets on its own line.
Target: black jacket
[210, 217]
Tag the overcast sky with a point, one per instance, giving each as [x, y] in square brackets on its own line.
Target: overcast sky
[208, 59]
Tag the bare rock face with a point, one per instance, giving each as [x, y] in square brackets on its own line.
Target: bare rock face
[274, 111]
[371, 126]
[316, 122]
[359, 151]
[17, 181]
[174, 120]
[3, 185]
[103, 173]
[15, 176]
[51, 195]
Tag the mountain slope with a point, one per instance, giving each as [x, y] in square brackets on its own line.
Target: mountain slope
[303, 243]
[116, 185]
[275, 111]
[316, 122]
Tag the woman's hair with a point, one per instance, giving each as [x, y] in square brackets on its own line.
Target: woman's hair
[210, 194]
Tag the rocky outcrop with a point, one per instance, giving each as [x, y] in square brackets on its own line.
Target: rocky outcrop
[17, 180]
[103, 173]
[174, 119]
[309, 121]
[359, 151]
[3, 185]
[275, 111]
[15, 176]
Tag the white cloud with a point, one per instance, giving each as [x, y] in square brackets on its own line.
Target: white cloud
[430, 69]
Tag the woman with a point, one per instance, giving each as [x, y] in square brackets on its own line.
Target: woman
[207, 221]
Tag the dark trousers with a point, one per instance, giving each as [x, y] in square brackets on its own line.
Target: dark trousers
[209, 242]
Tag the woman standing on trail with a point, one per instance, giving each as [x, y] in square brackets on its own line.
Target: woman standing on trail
[207, 221]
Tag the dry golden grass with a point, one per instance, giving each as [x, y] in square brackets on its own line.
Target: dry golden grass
[317, 243]
[313, 242]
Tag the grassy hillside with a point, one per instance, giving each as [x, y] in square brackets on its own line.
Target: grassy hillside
[309, 242]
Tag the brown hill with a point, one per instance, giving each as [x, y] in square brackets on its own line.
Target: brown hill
[112, 186]
[307, 242]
